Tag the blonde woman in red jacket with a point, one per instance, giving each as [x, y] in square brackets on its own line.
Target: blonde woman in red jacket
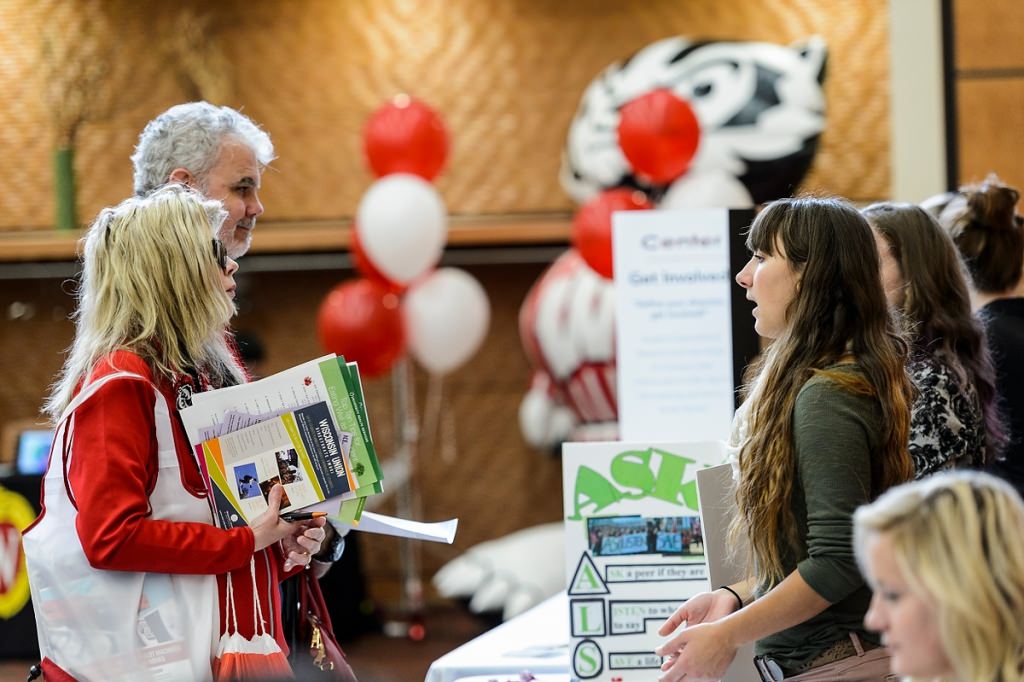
[129, 576]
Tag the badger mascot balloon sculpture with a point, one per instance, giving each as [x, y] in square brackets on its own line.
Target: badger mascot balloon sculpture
[680, 124]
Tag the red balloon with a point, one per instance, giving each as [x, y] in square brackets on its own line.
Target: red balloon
[659, 134]
[361, 320]
[365, 267]
[405, 136]
[592, 226]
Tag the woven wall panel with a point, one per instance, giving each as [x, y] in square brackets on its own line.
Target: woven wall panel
[506, 77]
[25, 126]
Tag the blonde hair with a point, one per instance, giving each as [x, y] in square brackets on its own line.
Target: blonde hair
[958, 539]
[150, 284]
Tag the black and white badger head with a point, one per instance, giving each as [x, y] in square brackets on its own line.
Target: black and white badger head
[760, 107]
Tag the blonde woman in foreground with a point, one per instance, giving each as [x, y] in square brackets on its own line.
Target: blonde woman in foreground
[945, 557]
[130, 579]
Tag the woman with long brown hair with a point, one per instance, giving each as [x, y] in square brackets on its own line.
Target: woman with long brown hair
[983, 223]
[954, 421]
[827, 420]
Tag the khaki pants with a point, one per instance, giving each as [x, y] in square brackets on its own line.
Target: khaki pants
[870, 666]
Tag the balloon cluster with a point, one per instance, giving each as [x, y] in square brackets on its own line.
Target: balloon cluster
[402, 302]
[567, 319]
[658, 133]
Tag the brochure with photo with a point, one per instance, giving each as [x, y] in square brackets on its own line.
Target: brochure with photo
[280, 429]
[160, 631]
[300, 449]
[327, 381]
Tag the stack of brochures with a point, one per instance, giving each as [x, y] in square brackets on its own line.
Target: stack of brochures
[304, 428]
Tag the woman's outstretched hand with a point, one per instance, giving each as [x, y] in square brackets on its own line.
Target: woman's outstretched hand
[705, 607]
[707, 653]
[699, 653]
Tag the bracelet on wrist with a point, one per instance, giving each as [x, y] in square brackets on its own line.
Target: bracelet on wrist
[739, 599]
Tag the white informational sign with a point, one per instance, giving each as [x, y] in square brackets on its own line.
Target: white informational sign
[673, 331]
[634, 550]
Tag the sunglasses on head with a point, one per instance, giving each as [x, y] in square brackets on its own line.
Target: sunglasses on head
[220, 253]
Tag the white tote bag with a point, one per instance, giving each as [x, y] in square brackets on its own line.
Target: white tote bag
[118, 625]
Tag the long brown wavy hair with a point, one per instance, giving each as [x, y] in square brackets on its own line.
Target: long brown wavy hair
[838, 310]
[937, 305]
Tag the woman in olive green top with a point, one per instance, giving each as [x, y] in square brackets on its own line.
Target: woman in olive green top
[826, 423]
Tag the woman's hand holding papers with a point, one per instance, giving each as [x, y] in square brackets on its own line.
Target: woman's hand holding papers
[300, 540]
[304, 542]
[269, 527]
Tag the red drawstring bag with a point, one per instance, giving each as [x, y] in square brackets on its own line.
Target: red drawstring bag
[238, 658]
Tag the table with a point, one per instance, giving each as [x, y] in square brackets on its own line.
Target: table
[537, 640]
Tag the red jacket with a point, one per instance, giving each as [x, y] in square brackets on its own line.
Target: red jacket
[112, 472]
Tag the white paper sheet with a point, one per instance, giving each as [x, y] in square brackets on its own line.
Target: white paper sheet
[441, 531]
[299, 386]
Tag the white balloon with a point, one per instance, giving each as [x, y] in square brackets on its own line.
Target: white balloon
[711, 188]
[446, 319]
[403, 225]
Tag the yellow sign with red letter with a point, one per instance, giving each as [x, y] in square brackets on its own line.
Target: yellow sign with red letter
[16, 513]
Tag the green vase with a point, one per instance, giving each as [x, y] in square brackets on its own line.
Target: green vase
[64, 187]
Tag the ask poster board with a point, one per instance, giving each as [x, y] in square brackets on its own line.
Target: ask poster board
[634, 550]
[683, 328]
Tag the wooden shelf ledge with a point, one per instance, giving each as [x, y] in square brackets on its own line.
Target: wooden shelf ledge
[316, 236]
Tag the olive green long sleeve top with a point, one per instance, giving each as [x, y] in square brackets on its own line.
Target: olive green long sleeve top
[836, 434]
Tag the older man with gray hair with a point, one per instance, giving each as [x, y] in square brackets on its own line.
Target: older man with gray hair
[214, 149]
[222, 153]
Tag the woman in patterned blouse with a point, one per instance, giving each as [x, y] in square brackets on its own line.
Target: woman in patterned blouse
[954, 420]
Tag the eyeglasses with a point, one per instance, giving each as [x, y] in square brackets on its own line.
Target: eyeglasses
[220, 254]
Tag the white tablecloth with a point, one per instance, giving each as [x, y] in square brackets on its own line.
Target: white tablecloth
[537, 640]
[514, 678]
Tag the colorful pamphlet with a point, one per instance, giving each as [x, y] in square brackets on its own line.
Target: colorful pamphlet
[305, 427]
[301, 450]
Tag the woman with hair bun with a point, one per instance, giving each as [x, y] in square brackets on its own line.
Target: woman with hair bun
[989, 234]
[954, 421]
[946, 563]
